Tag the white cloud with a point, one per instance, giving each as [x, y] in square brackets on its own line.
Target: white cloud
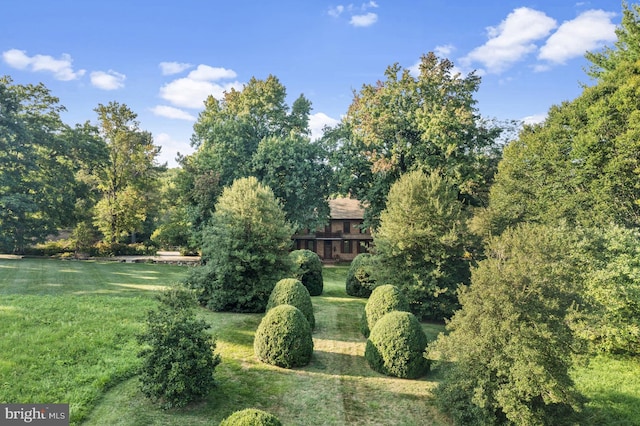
[336, 11]
[171, 112]
[110, 80]
[444, 51]
[207, 73]
[587, 32]
[170, 148]
[512, 40]
[62, 68]
[318, 121]
[365, 20]
[191, 91]
[170, 68]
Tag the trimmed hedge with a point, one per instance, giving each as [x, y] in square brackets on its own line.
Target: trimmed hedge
[308, 269]
[251, 417]
[396, 346]
[383, 299]
[290, 291]
[359, 278]
[284, 338]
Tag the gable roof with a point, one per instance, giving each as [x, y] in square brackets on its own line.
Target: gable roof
[346, 208]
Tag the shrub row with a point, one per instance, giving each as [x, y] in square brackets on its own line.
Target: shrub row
[396, 342]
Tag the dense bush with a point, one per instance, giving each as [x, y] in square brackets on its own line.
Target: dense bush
[420, 243]
[396, 346]
[308, 269]
[290, 291]
[360, 282]
[284, 338]
[510, 349]
[383, 299]
[245, 249]
[251, 417]
[178, 358]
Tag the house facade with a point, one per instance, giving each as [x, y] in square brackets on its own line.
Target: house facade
[343, 238]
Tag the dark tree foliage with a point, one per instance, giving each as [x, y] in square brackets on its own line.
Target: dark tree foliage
[396, 346]
[246, 250]
[360, 281]
[509, 348]
[178, 357]
[425, 122]
[283, 338]
[290, 291]
[384, 299]
[307, 267]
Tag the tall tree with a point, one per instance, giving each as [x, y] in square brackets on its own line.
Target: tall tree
[582, 164]
[246, 249]
[37, 165]
[127, 179]
[253, 132]
[296, 170]
[420, 243]
[510, 345]
[426, 122]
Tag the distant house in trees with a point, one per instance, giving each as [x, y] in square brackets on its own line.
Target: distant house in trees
[343, 238]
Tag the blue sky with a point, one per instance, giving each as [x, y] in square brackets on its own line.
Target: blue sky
[162, 58]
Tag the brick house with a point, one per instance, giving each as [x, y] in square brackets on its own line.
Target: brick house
[343, 238]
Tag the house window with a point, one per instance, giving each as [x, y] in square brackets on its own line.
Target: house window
[347, 246]
[346, 227]
[311, 245]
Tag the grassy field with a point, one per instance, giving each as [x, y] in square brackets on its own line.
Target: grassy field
[68, 335]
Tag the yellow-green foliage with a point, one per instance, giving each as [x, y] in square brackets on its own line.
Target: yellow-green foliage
[251, 417]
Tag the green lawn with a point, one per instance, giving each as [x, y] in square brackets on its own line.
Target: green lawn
[68, 335]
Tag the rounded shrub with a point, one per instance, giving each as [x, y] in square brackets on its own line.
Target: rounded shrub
[360, 282]
[251, 417]
[383, 299]
[290, 291]
[396, 346]
[308, 269]
[284, 338]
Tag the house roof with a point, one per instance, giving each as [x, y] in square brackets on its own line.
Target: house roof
[346, 208]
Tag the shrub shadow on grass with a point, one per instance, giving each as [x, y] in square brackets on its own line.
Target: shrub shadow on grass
[610, 408]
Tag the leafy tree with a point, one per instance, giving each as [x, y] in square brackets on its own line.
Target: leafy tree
[253, 132]
[510, 345]
[581, 165]
[406, 123]
[610, 318]
[127, 179]
[420, 243]
[178, 358]
[245, 250]
[39, 157]
[296, 170]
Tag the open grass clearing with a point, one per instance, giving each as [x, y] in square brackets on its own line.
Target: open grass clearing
[68, 335]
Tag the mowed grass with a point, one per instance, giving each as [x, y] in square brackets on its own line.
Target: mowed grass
[68, 335]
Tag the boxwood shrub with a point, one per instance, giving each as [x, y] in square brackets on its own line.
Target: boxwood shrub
[383, 299]
[396, 346]
[308, 269]
[251, 417]
[290, 291]
[360, 282]
[284, 338]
